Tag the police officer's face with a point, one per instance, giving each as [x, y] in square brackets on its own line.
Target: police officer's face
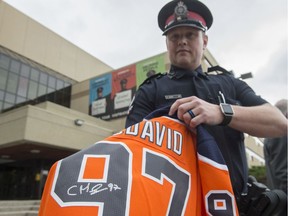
[186, 46]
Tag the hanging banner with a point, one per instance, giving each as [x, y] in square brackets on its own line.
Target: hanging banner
[100, 103]
[123, 90]
[111, 94]
[149, 67]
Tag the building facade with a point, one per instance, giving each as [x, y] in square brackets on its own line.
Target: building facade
[56, 99]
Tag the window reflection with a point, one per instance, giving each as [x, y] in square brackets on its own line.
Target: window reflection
[43, 78]
[12, 83]
[7, 105]
[32, 90]
[10, 98]
[15, 66]
[34, 74]
[3, 78]
[25, 70]
[52, 82]
[1, 95]
[59, 84]
[23, 87]
[4, 61]
[42, 90]
[20, 83]
[20, 100]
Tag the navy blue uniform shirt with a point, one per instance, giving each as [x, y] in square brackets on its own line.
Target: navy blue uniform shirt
[164, 89]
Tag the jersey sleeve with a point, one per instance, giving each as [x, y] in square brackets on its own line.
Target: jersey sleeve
[217, 189]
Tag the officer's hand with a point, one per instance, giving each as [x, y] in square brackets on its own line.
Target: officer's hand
[204, 112]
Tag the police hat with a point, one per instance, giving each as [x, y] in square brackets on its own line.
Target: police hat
[191, 13]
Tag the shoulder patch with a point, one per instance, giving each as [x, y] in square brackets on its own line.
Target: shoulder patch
[155, 76]
[217, 70]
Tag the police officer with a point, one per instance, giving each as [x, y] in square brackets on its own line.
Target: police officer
[226, 106]
[123, 84]
[99, 93]
[275, 152]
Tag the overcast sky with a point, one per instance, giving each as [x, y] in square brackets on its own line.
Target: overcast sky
[246, 36]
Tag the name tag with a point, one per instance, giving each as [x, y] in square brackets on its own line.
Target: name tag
[171, 97]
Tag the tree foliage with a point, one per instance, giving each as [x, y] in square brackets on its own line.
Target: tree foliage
[259, 172]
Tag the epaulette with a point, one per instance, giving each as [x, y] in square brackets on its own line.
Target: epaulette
[155, 76]
[217, 70]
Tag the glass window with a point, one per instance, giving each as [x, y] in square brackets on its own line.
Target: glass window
[12, 83]
[49, 90]
[34, 74]
[15, 66]
[25, 70]
[3, 78]
[7, 105]
[32, 91]
[1, 95]
[10, 98]
[66, 84]
[43, 78]
[4, 61]
[59, 84]
[52, 82]
[23, 87]
[20, 99]
[42, 90]
[1, 104]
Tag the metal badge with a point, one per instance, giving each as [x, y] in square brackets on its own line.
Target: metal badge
[180, 11]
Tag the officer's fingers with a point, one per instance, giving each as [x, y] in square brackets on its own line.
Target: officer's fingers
[178, 104]
[174, 106]
[189, 115]
[173, 109]
[191, 121]
[185, 107]
[186, 118]
[194, 122]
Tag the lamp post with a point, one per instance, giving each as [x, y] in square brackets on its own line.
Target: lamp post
[246, 76]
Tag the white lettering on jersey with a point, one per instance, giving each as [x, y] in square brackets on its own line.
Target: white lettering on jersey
[155, 132]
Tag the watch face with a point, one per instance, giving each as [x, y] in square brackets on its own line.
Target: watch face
[227, 109]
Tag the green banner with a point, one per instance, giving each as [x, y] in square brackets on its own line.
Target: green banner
[148, 67]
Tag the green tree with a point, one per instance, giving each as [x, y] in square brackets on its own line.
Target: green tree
[259, 172]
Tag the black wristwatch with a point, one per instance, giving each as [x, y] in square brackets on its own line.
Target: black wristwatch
[228, 113]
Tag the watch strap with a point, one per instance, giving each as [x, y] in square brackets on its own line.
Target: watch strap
[226, 120]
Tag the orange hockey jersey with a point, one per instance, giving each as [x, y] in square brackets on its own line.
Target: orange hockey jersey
[155, 167]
